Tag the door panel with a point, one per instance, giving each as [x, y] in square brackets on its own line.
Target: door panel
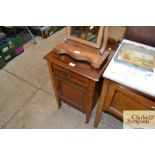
[72, 93]
[119, 99]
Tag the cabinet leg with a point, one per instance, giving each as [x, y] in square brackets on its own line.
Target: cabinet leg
[59, 103]
[54, 85]
[87, 118]
[101, 102]
[90, 100]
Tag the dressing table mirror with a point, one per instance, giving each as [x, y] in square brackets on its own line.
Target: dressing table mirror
[88, 35]
[86, 43]
[95, 36]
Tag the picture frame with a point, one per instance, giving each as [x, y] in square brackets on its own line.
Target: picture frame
[136, 55]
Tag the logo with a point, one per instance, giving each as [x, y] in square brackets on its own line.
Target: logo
[139, 119]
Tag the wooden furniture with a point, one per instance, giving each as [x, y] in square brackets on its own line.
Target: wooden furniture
[79, 51]
[126, 87]
[115, 98]
[74, 81]
[105, 40]
[82, 52]
[100, 37]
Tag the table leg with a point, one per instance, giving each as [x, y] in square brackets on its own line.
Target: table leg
[90, 100]
[53, 84]
[101, 102]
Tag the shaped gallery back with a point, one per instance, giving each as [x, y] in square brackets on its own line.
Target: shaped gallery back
[86, 43]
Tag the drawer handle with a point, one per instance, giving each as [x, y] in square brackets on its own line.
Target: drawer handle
[153, 107]
[69, 75]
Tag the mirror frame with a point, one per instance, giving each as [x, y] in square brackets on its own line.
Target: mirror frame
[98, 44]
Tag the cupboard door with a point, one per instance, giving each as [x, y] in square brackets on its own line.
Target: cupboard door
[72, 93]
[120, 98]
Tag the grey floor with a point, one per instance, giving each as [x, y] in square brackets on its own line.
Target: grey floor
[26, 96]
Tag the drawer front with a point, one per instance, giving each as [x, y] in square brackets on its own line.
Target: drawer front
[70, 76]
[119, 99]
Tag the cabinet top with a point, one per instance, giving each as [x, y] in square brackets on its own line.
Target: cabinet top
[80, 67]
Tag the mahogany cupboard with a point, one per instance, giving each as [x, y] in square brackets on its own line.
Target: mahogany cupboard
[77, 82]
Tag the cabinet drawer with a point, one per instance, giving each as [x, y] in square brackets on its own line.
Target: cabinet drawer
[70, 76]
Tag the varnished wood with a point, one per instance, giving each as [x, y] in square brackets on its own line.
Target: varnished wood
[105, 40]
[70, 76]
[53, 84]
[84, 53]
[115, 98]
[103, 94]
[76, 85]
[90, 97]
[120, 98]
[72, 93]
[82, 68]
[71, 87]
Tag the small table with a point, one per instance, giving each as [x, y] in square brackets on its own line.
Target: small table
[74, 82]
[126, 87]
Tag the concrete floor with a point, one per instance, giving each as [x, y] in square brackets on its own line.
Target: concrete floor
[26, 96]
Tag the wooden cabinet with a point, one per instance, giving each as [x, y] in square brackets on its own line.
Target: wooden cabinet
[115, 98]
[120, 98]
[72, 88]
[76, 85]
[131, 89]
[64, 73]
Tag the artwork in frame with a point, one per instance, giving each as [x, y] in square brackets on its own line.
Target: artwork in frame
[136, 55]
[88, 35]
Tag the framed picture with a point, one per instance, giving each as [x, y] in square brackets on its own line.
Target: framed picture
[88, 35]
[136, 55]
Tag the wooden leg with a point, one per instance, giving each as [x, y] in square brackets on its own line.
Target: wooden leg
[101, 102]
[54, 85]
[90, 100]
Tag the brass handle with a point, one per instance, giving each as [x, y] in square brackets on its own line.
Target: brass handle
[69, 75]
